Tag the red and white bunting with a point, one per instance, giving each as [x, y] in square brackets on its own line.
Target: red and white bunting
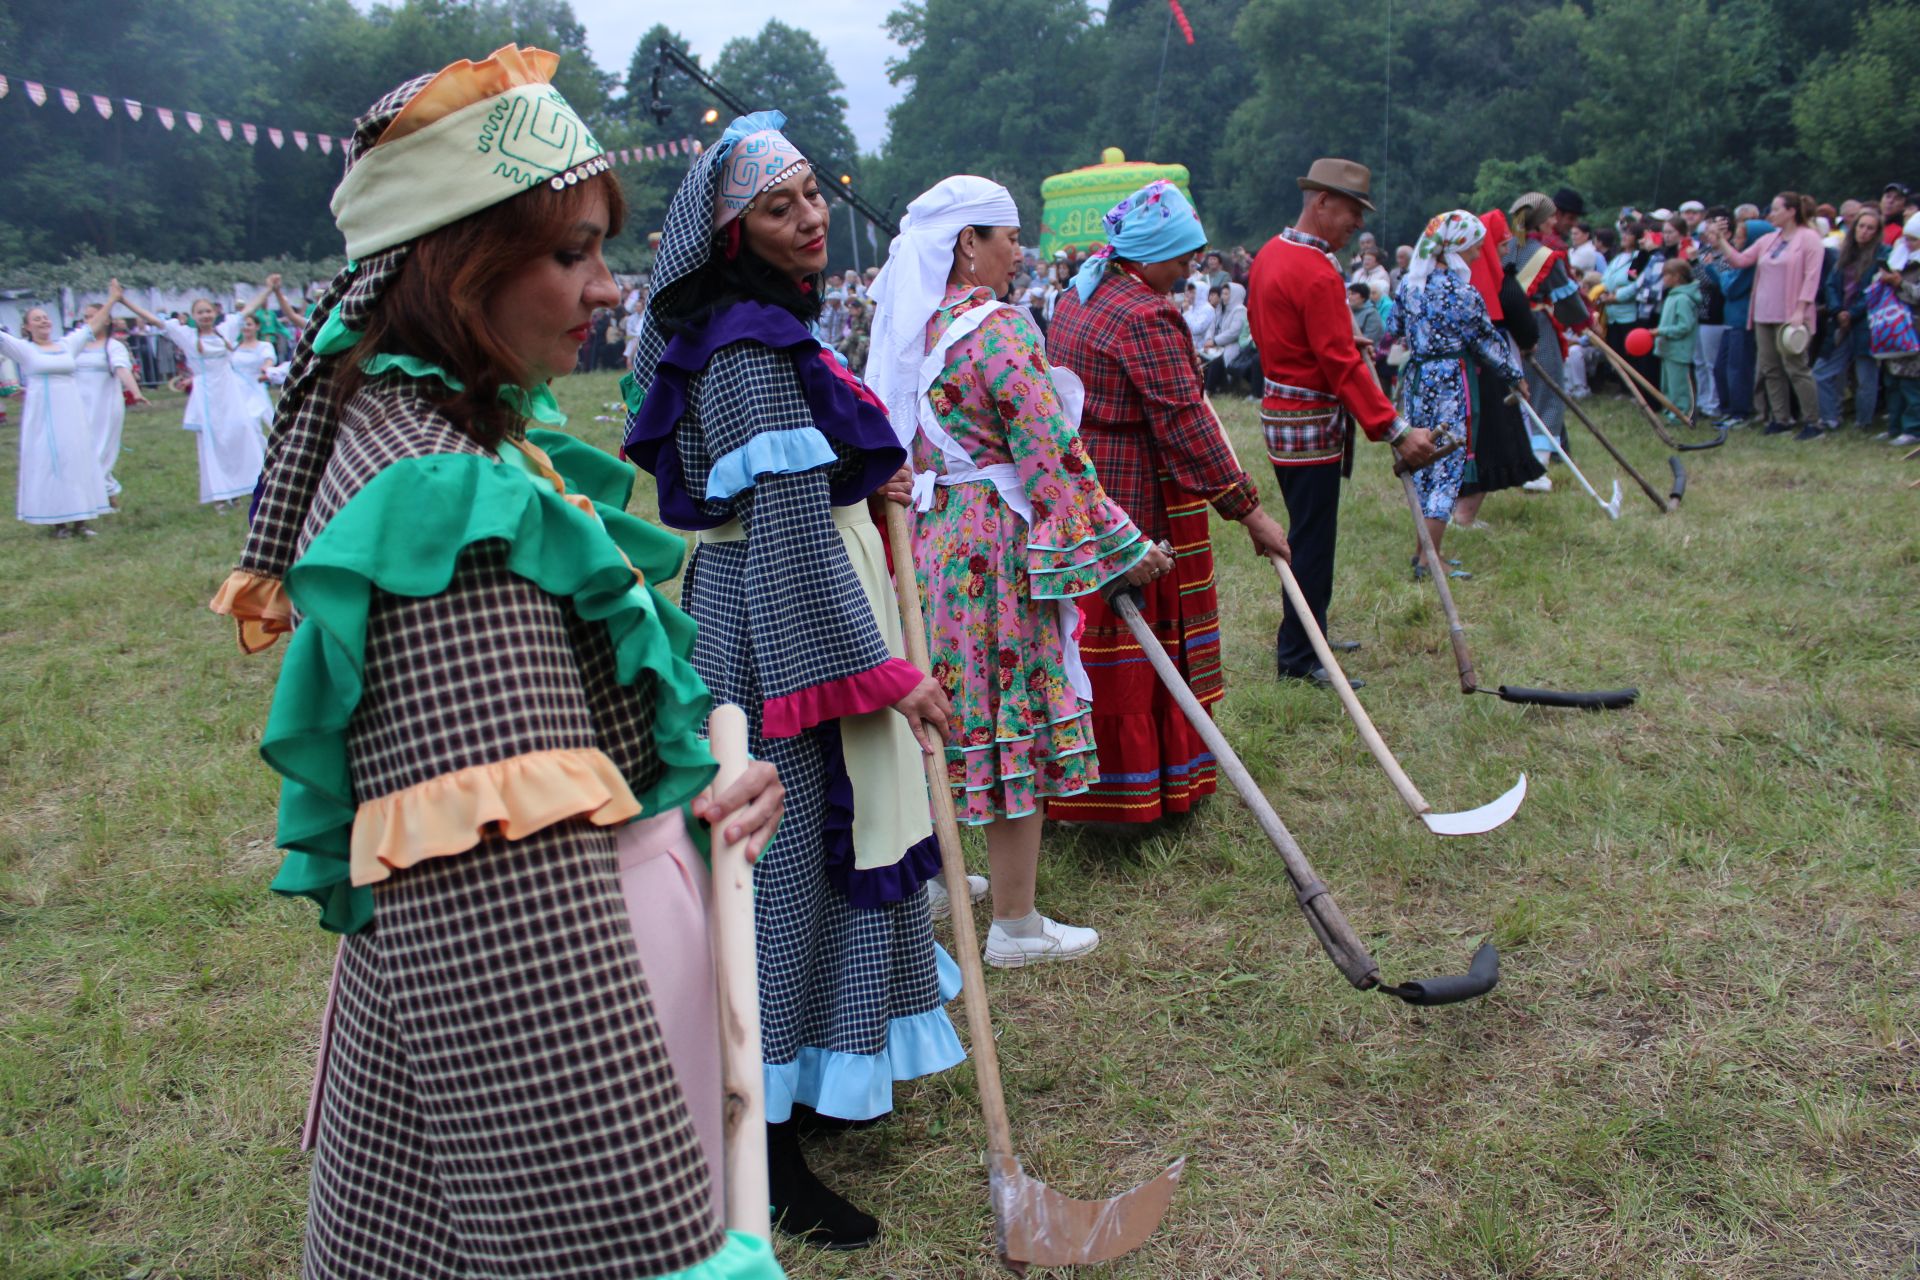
[300, 139]
[193, 120]
[225, 127]
[133, 108]
[103, 105]
[166, 117]
[3, 86]
[277, 138]
[326, 144]
[70, 100]
[252, 134]
[36, 91]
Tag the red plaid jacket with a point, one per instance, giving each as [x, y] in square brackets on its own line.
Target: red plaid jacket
[1144, 413]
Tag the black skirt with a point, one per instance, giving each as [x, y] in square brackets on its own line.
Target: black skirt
[1502, 454]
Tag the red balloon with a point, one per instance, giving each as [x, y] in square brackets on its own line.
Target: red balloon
[1640, 342]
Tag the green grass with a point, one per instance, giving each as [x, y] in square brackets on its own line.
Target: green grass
[1703, 1059]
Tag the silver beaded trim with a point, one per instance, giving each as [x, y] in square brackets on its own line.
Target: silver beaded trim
[579, 173]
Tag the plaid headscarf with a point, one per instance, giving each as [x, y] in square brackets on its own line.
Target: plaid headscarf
[686, 242]
[308, 415]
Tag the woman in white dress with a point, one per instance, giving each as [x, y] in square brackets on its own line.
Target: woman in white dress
[104, 368]
[61, 483]
[253, 356]
[220, 408]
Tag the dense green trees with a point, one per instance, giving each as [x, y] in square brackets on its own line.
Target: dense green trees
[1451, 101]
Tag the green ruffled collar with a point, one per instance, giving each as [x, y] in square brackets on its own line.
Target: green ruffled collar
[536, 403]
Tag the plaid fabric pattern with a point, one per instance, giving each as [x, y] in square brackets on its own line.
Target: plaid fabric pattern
[831, 976]
[498, 1101]
[822, 627]
[1303, 431]
[1145, 411]
[686, 242]
[308, 412]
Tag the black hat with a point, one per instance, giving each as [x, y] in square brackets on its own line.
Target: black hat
[1906, 193]
[1567, 200]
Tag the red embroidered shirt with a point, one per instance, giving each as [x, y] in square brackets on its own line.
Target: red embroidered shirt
[1297, 307]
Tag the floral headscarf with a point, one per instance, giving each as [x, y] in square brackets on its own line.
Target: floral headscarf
[1153, 224]
[1449, 235]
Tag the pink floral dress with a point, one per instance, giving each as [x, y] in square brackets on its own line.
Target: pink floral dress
[990, 581]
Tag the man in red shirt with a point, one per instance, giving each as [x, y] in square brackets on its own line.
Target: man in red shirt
[1160, 454]
[1318, 384]
[1893, 210]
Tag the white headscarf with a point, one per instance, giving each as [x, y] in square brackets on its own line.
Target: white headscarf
[910, 287]
[1902, 250]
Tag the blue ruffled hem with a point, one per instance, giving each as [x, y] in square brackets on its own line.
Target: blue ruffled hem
[853, 1086]
[772, 453]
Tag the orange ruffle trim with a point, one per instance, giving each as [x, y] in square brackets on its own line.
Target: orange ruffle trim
[515, 797]
[259, 607]
[464, 83]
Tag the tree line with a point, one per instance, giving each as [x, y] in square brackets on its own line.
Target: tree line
[1452, 102]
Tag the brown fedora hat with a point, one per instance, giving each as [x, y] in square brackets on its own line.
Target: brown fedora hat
[1342, 177]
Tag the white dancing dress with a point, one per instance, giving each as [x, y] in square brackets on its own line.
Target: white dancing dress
[248, 364]
[101, 402]
[221, 411]
[60, 476]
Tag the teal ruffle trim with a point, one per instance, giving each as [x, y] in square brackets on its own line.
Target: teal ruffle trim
[631, 392]
[742, 1257]
[403, 534]
[536, 403]
[587, 470]
[859, 1086]
[772, 453]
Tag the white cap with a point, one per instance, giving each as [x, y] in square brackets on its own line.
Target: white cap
[1692, 206]
[1662, 214]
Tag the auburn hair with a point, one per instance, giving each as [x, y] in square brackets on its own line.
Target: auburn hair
[438, 307]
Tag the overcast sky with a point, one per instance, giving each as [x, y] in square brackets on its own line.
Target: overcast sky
[852, 32]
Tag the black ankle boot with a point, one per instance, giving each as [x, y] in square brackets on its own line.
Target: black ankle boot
[804, 1206]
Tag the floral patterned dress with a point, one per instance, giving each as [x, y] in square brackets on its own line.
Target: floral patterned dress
[990, 581]
[1444, 324]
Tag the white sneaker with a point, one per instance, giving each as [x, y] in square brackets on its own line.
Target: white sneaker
[942, 906]
[1904, 439]
[1543, 485]
[1056, 942]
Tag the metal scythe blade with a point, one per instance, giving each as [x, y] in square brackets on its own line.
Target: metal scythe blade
[1473, 822]
[1038, 1226]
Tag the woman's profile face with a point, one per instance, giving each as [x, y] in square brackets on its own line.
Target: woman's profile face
[995, 257]
[1778, 214]
[787, 227]
[544, 310]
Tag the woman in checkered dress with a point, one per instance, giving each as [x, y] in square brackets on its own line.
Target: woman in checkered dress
[484, 690]
[762, 444]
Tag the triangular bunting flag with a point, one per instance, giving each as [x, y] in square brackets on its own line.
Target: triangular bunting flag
[103, 105]
[133, 108]
[252, 134]
[192, 119]
[276, 137]
[37, 92]
[326, 143]
[698, 146]
[299, 139]
[3, 86]
[70, 100]
[225, 127]
[166, 117]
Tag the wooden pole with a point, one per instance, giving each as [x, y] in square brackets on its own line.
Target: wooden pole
[737, 964]
[1653, 495]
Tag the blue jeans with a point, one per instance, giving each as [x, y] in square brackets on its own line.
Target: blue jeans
[1830, 384]
[1903, 406]
[1740, 356]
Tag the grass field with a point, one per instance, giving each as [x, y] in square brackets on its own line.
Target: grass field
[1703, 1059]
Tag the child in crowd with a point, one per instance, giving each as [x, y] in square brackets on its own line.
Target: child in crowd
[1679, 329]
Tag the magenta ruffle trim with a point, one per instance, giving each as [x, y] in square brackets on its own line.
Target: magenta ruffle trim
[854, 695]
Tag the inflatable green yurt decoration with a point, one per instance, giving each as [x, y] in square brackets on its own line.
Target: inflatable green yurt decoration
[1074, 203]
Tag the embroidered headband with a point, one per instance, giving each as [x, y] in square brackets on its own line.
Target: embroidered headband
[478, 134]
[754, 157]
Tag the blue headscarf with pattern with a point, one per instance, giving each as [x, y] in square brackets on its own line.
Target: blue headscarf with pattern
[1155, 223]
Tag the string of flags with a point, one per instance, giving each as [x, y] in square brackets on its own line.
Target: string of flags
[105, 106]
